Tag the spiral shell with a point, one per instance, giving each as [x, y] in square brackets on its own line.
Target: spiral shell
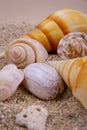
[10, 78]
[25, 51]
[73, 45]
[50, 31]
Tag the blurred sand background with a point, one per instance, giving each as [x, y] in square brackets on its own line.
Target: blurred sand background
[34, 11]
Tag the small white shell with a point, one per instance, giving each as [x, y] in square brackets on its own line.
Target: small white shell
[9, 81]
[24, 51]
[33, 117]
[42, 80]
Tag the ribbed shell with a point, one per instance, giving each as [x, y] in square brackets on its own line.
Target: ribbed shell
[42, 80]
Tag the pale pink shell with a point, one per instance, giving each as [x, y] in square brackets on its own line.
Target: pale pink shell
[42, 80]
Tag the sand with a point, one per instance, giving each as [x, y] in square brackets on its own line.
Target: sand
[65, 112]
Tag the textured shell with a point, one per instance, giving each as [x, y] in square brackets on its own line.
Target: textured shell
[9, 81]
[73, 45]
[24, 51]
[42, 80]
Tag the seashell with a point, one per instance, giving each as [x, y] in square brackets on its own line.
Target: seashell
[25, 51]
[10, 79]
[42, 80]
[74, 73]
[72, 45]
[33, 117]
[50, 31]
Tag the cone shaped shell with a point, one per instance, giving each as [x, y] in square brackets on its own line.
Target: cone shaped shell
[74, 73]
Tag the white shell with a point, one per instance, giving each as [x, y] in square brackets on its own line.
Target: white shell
[24, 51]
[9, 81]
[42, 80]
[33, 117]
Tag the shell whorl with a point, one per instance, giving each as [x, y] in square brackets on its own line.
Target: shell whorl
[19, 54]
[73, 45]
[25, 51]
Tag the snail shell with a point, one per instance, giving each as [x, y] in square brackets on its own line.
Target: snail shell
[24, 51]
[73, 45]
[42, 80]
[10, 78]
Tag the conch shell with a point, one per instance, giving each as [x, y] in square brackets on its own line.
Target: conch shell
[55, 26]
[10, 78]
[73, 45]
[74, 73]
[24, 51]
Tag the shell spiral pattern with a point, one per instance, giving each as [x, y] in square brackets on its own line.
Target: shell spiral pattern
[25, 51]
[73, 45]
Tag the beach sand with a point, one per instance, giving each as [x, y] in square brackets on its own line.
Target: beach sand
[65, 112]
